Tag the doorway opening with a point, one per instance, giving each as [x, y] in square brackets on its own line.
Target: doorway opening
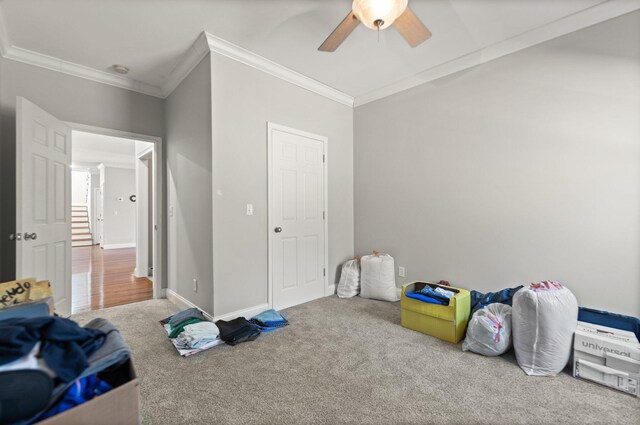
[113, 188]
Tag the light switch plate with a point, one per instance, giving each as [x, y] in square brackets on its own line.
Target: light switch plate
[401, 272]
[249, 209]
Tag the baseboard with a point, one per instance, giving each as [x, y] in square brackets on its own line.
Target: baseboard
[139, 275]
[182, 303]
[331, 290]
[118, 245]
[247, 312]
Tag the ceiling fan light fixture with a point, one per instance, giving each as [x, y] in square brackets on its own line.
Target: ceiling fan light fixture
[378, 14]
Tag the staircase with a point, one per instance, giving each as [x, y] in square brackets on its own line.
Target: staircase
[80, 231]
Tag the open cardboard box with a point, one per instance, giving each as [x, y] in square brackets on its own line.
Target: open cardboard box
[447, 322]
[120, 406]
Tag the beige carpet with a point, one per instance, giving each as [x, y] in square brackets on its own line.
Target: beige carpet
[347, 362]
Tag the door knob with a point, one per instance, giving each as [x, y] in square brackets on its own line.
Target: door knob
[278, 229]
[32, 236]
[16, 237]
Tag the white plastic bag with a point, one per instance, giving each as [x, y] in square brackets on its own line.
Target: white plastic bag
[489, 330]
[545, 316]
[349, 285]
[378, 278]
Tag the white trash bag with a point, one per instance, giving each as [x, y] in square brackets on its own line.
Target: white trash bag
[378, 277]
[545, 316]
[489, 330]
[349, 285]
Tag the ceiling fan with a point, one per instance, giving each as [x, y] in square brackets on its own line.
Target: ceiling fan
[378, 15]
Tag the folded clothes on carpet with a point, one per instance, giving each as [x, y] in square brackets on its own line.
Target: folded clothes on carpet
[178, 321]
[197, 335]
[182, 316]
[269, 320]
[237, 330]
[177, 330]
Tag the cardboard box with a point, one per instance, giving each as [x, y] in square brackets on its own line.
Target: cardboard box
[20, 291]
[120, 406]
[607, 356]
[447, 322]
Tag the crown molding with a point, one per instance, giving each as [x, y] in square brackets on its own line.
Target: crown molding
[18, 54]
[247, 57]
[189, 60]
[599, 13]
[4, 37]
[48, 62]
[206, 43]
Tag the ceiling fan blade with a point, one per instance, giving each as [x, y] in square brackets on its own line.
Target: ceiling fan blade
[339, 34]
[411, 28]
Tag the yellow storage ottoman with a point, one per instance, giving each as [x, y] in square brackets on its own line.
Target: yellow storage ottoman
[447, 322]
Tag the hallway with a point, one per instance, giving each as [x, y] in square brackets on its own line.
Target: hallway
[104, 278]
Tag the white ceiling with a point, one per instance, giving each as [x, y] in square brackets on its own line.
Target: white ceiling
[88, 150]
[152, 36]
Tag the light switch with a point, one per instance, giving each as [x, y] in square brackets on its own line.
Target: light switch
[170, 211]
[249, 209]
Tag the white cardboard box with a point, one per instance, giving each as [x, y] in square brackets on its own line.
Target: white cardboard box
[607, 356]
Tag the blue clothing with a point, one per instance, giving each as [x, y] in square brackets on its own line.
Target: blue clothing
[64, 345]
[425, 298]
[611, 320]
[433, 294]
[267, 328]
[480, 300]
[445, 293]
[81, 391]
[270, 318]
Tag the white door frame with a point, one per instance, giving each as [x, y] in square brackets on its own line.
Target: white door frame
[94, 223]
[158, 211]
[142, 268]
[270, 223]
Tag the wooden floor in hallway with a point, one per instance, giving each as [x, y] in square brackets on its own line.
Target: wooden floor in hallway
[104, 278]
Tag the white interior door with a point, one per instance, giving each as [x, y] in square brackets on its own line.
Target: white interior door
[296, 216]
[43, 207]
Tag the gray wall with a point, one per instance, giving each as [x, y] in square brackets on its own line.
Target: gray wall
[244, 100]
[70, 99]
[119, 226]
[190, 246]
[521, 169]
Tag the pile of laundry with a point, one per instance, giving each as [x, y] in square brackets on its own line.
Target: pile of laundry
[57, 362]
[191, 332]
